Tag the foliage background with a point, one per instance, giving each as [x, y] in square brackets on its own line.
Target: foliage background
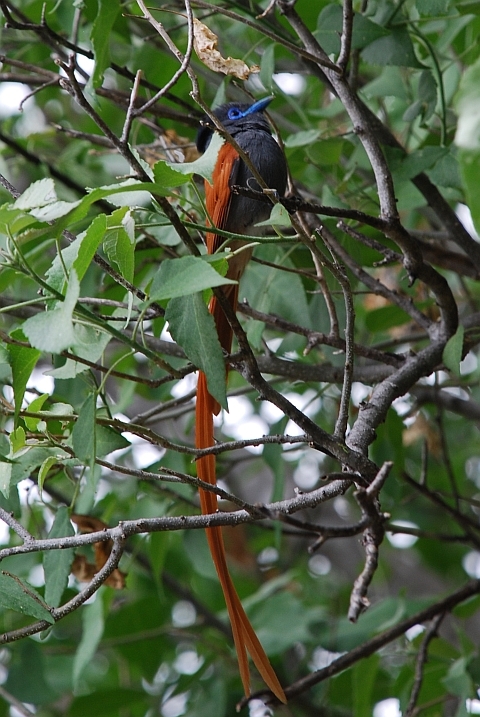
[97, 402]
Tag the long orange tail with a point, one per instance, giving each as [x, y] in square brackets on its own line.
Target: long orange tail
[243, 633]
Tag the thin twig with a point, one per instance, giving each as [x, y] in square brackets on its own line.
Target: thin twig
[346, 37]
[422, 658]
[183, 59]
[372, 538]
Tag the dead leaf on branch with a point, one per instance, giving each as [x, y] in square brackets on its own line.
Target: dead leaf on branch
[81, 568]
[423, 430]
[205, 43]
[170, 147]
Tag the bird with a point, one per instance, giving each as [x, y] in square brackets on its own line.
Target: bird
[249, 127]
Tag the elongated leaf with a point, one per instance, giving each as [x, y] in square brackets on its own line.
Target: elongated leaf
[468, 136]
[28, 659]
[267, 67]
[302, 139]
[433, 7]
[184, 276]
[193, 328]
[78, 255]
[53, 330]
[205, 164]
[135, 194]
[394, 49]
[108, 440]
[53, 211]
[83, 434]
[89, 343]
[101, 37]
[34, 407]
[56, 563]
[452, 353]
[17, 439]
[22, 361]
[119, 242]
[5, 475]
[93, 625]
[329, 30]
[469, 162]
[19, 596]
[168, 176]
[43, 471]
[38, 194]
[279, 217]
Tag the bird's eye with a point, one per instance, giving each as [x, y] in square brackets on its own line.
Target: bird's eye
[234, 113]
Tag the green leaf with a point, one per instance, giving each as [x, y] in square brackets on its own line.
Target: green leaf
[282, 621]
[89, 343]
[93, 626]
[276, 292]
[53, 330]
[22, 360]
[168, 176]
[17, 439]
[365, 674]
[365, 32]
[107, 703]
[329, 30]
[418, 162]
[385, 318]
[128, 193]
[119, 242]
[184, 276]
[109, 440]
[273, 457]
[27, 658]
[452, 353]
[101, 37]
[267, 67]
[327, 152]
[458, 681]
[34, 407]
[57, 563]
[54, 211]
[469, 163]
[198, 552]
[31, 459]
[467, 102]
[78, 255]
[394, 49]
[43, 471]
[6, 470]
[19, 596]
[389, 83]
[432, 8]
[446, 172]
[83, 434]
[279, 217]
[193, 328]
[13, 220]
[205, 164]
[468, 608]
[302, 139]
[38, 194]
[329, 25]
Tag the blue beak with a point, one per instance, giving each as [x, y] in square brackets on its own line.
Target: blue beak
[258, 106]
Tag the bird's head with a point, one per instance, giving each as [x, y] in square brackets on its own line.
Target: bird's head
[235, 117]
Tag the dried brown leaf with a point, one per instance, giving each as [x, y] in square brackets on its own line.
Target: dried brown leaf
[423, 430]
[81, 568]
[205, 43]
